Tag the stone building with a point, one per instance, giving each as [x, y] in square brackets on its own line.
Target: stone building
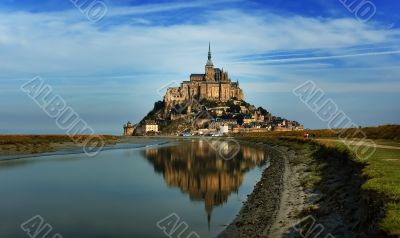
[129, 129]
[213, 85]
[218, 123]
[150, 126]
[146, 128]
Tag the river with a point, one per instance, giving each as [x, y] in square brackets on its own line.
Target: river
[127, 189]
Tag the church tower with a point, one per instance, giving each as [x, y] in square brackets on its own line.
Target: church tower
[210, 72]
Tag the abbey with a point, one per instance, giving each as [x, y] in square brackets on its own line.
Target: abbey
[207, 104]
[213, 85]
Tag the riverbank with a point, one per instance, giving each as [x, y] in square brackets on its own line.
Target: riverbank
[315, 185]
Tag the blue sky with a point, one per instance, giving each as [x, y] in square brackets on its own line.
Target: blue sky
[110, 71]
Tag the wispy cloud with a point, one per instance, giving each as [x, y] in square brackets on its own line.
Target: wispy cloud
[164, 7]
[318, 58]
[51, 44]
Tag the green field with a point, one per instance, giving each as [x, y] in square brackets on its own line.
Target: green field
[383, 171]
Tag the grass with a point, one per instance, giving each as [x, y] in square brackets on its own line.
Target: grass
[388, 142]
[383, 171]
[391, 222]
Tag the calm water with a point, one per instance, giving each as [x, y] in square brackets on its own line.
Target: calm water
[124, 192]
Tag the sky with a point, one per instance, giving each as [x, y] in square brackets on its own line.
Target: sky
[112, 69]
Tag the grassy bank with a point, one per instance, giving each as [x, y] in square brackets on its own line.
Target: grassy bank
[383, 173]
[364, 194]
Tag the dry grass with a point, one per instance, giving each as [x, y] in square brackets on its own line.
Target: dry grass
[388, 132]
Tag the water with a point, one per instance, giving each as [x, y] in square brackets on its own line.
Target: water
[127, 189]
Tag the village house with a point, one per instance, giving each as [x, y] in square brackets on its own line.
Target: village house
[150, 126]
[219, 111]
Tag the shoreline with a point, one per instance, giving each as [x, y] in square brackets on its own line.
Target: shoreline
[26, 146]
[270, 209]
[66, 148]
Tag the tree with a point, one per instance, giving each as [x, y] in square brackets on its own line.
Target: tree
[240, 118]
[152, 115]
[234, 109]
[208, 103]
[158, 105]
[262, 111]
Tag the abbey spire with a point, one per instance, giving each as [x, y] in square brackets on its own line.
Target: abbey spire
[209, 61]
[210, 71]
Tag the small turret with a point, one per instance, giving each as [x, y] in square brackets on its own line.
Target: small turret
[129, 129]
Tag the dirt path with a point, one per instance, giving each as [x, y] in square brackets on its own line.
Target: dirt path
[292, 201]
[363, 143]
[271, 209]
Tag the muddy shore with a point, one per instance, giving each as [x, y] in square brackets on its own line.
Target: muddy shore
[270, 209]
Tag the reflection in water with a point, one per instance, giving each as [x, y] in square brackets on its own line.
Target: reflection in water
[197, 169]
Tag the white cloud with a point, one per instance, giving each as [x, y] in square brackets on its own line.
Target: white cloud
[62, 46]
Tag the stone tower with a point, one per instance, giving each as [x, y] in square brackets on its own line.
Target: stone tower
[129, 129]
